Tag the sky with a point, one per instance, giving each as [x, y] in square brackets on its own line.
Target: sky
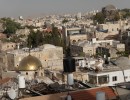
[30, 8]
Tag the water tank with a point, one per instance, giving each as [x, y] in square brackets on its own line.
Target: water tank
[106, 61]
[83, 63]
[104, 56]
[69, 97]
[80, 62]
[21, 81]
[70, 79]
[100, 96]
[69, 64]
[128, 33]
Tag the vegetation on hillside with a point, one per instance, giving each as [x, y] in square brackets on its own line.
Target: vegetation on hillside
[39, 38]
[10, 25]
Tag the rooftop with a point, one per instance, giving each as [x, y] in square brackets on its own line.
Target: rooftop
[87, 94]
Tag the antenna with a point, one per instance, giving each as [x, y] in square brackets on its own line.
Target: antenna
[30, 50]
[68, 51]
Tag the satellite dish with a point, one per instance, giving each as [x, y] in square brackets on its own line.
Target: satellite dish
[12, 94]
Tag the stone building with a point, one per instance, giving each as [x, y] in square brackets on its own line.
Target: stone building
[4, 46]
[72, 35]
[50, 56]
[84, 47]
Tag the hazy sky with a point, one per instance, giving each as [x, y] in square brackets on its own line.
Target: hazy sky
[13, 8]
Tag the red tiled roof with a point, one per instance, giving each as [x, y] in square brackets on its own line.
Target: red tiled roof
[90, 94]
[5, 80]
[47, 30]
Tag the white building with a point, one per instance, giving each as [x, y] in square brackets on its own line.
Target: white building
[111, 74]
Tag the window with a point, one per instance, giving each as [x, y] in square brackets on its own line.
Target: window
[92, 79]
[108, 43]
[126, 77]
[114, 78]
[103, 79]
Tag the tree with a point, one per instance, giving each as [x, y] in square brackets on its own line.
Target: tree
[65, 21]
[82, 54]
[38, 38]
[99, 17]
[56, 36]
[35, 39]
[10, 25]
[116, 17]
[125, 13]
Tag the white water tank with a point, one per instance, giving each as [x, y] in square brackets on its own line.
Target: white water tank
[70, 79]
[128, 33]
[21, 81]
[100, 96]
[109, 58]
[69, 97]
[94, 40]
[83, 63]
[80, 62]
[89, 65]
[104, 56]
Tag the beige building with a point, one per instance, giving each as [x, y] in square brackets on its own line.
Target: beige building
[73, 35]
[50, 56]
[4, 46]
[84, 47]
[77, 38]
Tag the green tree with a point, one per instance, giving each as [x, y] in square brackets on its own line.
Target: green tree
[65, 21]
[56, 37]
[35, 39]
[99, 17]
[38, 38]
[116, 17]
[125, 13]
[10, 25]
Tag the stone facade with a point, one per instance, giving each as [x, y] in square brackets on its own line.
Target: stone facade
[4, 46]
[50, 56]
[76, 38]
[87, 48]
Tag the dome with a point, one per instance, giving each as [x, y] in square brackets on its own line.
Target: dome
[123, 61]
[29, 63]
[110, 7]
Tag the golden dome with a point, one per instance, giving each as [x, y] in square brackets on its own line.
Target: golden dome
[29, 63]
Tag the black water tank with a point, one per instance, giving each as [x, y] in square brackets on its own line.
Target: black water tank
[69, 64]
[106, 61]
